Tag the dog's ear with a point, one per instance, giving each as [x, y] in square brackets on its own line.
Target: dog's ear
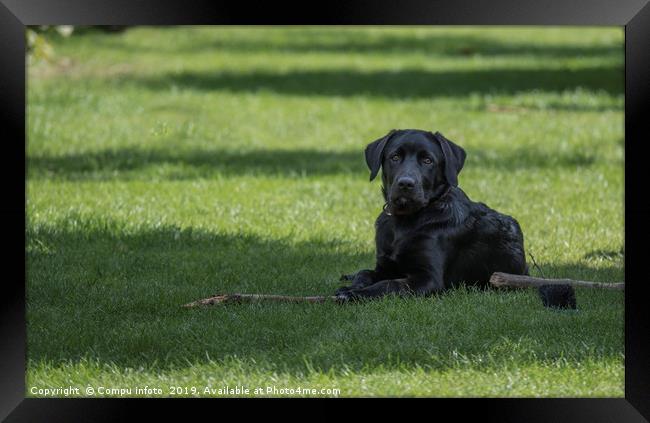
[374, 152]
[454, 158]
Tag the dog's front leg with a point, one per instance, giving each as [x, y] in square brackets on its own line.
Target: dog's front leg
[384, 269]
[360, 280]
[412, 285]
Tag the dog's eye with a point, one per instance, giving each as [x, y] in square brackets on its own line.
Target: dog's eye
[427, 160]
[395, 157]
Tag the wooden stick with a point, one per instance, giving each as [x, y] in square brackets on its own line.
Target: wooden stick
[499, 279]
[252, 298]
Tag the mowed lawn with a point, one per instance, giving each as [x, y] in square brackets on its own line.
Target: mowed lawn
[169, 164]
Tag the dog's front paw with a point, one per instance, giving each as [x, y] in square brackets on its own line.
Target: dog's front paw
[342, 290]
[346, 295]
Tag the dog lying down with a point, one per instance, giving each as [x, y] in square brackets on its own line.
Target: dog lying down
[430, 236]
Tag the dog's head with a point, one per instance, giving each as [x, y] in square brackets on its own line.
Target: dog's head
[417, 166]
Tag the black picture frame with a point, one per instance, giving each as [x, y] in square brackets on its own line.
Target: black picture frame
[634, 15]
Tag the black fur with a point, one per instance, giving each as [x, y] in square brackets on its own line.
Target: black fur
[430, 235]
[558, 296]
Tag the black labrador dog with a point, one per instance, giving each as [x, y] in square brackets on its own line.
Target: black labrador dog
[430, 236]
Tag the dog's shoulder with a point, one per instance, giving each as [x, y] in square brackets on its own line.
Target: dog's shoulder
[453, 211]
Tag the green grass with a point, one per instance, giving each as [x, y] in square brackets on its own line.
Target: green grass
[167, 164]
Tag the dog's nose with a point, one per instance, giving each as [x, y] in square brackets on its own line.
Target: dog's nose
[406, 183]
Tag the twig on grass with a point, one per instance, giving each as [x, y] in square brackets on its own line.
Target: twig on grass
[253, 298]
[535, 264]
[500, 279]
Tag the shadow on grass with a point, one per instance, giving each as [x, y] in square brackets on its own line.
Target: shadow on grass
[100, 293]
[195, 163]
[136, 163]
[95, 290]
[315, 40]
[401, 84]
